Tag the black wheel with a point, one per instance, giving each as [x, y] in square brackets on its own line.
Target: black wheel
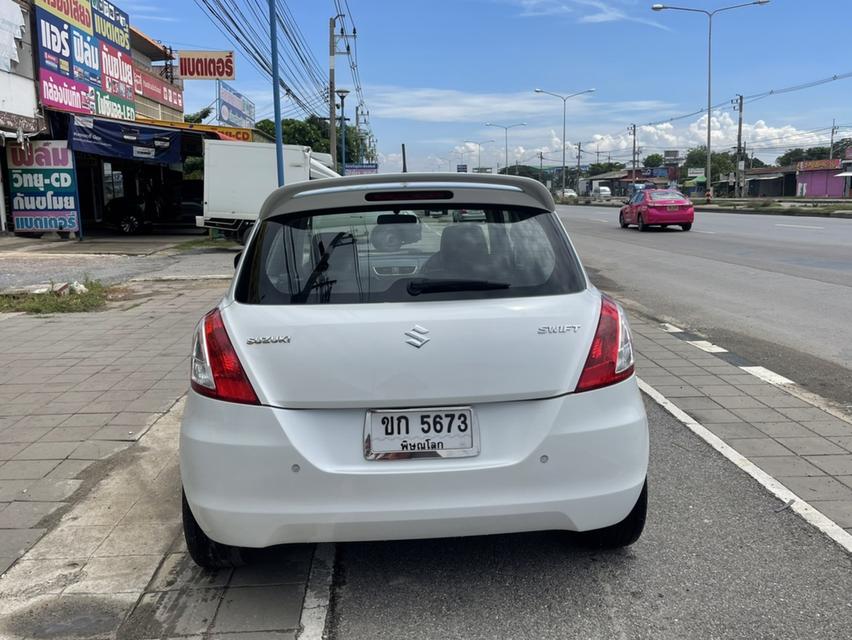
[207, 553]
[621, 221]
[129, 224]
[687, 226]
[621, 534]
[642, 226]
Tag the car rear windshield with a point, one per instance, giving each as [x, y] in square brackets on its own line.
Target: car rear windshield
[392, 255]
[667, 195]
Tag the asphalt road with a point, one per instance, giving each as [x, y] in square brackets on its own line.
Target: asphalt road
[774, 289]
[718, 560]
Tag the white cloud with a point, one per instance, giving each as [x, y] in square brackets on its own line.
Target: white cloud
[588, 11]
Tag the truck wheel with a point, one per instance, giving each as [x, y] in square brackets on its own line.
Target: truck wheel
[207, 553]
[243, 234]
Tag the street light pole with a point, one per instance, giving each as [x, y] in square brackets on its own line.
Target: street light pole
[276, 92]
[342, 93]
[506, 133]
[564, 112]
[478, 150]
[709, 14]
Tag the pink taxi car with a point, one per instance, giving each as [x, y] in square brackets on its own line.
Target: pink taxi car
[657, 207]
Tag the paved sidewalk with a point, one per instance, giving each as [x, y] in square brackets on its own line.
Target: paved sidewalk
[802, 446]
[77, 388]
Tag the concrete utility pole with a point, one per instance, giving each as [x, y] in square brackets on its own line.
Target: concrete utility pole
[632, 129]
[739, 107]
[332, 115]
[342, 93]
[540, 164]
[579, 151]
[833, 132]
[276, 91]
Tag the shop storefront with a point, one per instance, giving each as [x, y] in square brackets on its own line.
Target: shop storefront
[818, 179]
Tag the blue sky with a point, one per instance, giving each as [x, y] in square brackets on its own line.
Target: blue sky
[434, 71]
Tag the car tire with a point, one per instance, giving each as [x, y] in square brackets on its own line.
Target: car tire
[621, 221]
[621, 534]
[207, 553]
[641, 223]
[130, 224]
[687, 226]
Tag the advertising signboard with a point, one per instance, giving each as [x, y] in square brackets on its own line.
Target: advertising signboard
[206, 65]
[360, 169]
[235, 110]
[694, 173]
[819, 165]
[84, 59]
[128, 140]
[43, 186]
[154, 88]
[461, 168]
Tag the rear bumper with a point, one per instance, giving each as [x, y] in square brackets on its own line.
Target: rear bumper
[237, 467]
[672, 217]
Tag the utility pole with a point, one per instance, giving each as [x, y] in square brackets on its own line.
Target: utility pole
[579, 151]
[632, 129]
[739, 108]
[332, 115]
[276, 91]
[540, 165]
[833, 131]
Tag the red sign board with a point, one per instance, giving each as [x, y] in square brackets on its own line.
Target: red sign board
[156, 89]
[819, 165]
[206, 65]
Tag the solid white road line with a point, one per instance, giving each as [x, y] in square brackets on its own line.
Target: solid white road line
[317, 594]
[798, 226]
[767, 376]
[709, 233]
[709, 347]
[805, 510]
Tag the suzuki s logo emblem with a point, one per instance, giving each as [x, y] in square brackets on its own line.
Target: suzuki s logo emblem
[417, 336]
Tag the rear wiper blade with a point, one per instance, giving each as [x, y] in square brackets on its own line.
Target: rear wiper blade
[432, 285]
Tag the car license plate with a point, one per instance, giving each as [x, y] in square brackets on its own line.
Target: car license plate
[672, 207]
[420, 433]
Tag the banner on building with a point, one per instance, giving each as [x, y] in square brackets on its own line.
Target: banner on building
[83, 56]
[124, 140]
[206, 65]
[362, 168]
[235, 110]
[694, 172]
[154, 88]
[819, 165]
[43, 187]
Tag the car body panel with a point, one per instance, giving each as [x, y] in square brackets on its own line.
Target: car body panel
[657, 211]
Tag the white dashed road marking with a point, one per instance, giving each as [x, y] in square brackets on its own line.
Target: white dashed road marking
[767, 376]
[709, 347]
[798, 226]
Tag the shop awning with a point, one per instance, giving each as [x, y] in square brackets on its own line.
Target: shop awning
[771, 176]
[845, 174]
[128, 140]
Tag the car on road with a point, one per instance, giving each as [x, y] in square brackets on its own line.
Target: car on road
[657, 207]
[468, 215]
[567, 193]
[475, 383]
[601, 194]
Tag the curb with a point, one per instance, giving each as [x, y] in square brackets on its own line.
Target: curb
[801, 212]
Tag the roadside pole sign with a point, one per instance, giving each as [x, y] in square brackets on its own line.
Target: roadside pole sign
[695, 173]
[43, 187]
[461, 168]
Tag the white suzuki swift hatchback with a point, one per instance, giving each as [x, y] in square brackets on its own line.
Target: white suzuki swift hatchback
[376, 373]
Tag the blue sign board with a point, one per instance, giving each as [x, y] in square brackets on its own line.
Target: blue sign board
[235, 110]
[124, 140]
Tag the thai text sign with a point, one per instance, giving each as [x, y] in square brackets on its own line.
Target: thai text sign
[43, 187]
[819, 165]
[364, 168]
[153, 88]
[206, 65]
[235, 110]
[84, 64]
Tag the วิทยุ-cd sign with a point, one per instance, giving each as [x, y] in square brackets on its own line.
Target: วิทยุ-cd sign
[43, 187]
[84, 62]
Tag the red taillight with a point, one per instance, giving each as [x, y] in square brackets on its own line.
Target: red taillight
[230, 382]
[611, 354]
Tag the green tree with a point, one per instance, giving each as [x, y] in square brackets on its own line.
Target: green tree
[199, 116]
[653, 160]
[721, 163]
[313, 132]
[604, 167]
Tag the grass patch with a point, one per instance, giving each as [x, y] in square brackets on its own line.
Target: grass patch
[207, 243]
[41, 303]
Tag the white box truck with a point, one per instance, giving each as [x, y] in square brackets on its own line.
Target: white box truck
[238, 176]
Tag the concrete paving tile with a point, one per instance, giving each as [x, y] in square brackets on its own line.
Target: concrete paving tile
[15, 542]
[49, 490]
[18, 434]
[88, 420]
[286, 564]
[677, 391]
[47, 451]
[843, 441]
[119, 433]
[739, 402]
[6, 562]
[838, 510]
[69, 542]
[138, 539]
[254, 635]
[701, 379]
[260, 609]
[792, 465]
[70, 468]
[11, 489]
[8, 451]
[784, 429]
[719, 390]
[178, 571]
[26, 469]
[713, 415]
[26, 515]
[829, 427]
[48, 577]
[156, 508]
[731, 430]
[69, 434]
[51, 420]
[95, 450]
[835, 465]
[786, 401]
[811, 446]
[125, 574]
[764, 414]
[172, 614]
[802, 414]
[137, 419]
[819, 488]
[688, 404]
[759, 447]
[745, 379]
